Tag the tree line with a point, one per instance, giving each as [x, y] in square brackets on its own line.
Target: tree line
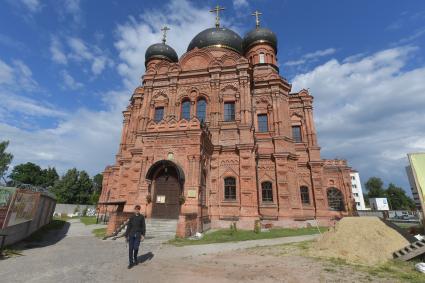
[396, 196]
[75, 186]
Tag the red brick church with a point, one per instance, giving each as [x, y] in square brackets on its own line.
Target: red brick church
[218, 136]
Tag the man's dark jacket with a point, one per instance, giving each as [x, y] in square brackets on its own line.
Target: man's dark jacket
[136, 224]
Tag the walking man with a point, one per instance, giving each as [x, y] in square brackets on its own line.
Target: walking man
[135, 233]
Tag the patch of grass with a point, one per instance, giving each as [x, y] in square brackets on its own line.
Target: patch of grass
[10, 252]
[401, 270]
[88, 220]
[327, 269]
[227, 235]
[38, 235]
[99, 232]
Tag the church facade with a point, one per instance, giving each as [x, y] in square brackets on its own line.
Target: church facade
[218, 136]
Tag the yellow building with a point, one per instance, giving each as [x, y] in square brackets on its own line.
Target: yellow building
[416, 174]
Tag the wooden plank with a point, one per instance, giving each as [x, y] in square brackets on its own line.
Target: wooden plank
[412, 250]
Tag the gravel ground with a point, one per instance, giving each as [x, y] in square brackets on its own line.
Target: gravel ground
[80, 257]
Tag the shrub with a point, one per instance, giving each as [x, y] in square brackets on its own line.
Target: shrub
[257, 226]
[233, 228]
[182, 199]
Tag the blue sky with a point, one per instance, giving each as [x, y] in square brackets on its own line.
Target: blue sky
[67, 70]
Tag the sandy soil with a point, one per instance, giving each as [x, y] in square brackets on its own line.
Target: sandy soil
[360, 240]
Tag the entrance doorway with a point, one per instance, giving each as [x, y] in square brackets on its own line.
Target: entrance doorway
[167, 183]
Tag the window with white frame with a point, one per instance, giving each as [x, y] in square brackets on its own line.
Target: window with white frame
[262, 58]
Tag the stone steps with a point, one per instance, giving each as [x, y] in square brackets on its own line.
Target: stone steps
[159, 230]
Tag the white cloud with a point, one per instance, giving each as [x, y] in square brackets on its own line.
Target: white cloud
[16, 82]
[311, 57]
[86, 139]
[32, 5]
[11, 42]
[58, 55]
[370, 110]
[70, 82]
[418, 33]
[16, 75]
[240, 4]
[14, 103]
[6, 73]
[73, 7]
[81, 52]
[137, 34]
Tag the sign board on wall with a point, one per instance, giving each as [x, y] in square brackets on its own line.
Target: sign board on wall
[191, 193]
[160, 199]
[6, 195]
[22, 208]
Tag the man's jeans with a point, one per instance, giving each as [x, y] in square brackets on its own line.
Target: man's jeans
[133, 246]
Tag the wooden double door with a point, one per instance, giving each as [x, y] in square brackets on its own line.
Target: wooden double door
[165, 203]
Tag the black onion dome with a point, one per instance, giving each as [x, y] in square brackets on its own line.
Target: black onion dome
[161, 51]
[220, 37]
[260, 35]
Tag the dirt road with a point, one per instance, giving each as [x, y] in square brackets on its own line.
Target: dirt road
[80, 257]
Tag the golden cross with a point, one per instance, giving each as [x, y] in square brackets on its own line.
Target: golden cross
[164, 35]
[217, 10]
[257, 18]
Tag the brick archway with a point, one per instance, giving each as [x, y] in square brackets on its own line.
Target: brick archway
[167, 183]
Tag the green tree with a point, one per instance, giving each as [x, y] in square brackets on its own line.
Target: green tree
[397, 198]
[97, 182]
[97, 188]
[66, 188]
[74, 187]
[28, 173]
[375, 188]
[49, 177]
[85, 189]
[5, 159]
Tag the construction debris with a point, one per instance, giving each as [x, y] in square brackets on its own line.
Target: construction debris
[420, 267]
[360, 240]
[410, 251]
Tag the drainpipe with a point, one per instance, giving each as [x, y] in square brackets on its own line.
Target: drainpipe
[312, 191]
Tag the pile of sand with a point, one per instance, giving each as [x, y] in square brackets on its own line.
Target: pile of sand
[361, 240]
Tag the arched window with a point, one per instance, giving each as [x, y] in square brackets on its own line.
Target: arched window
[185, 114]
[159, 114]
[305, 196]
[262, 123]
[266, 191]
[296, 133]
[201, 109]
[262, 58]
[335, 199]
[230, 188]
[229, 111]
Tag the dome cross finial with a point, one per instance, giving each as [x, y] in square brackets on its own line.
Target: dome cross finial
[217, 10]
[257, 18]
[164, 30]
